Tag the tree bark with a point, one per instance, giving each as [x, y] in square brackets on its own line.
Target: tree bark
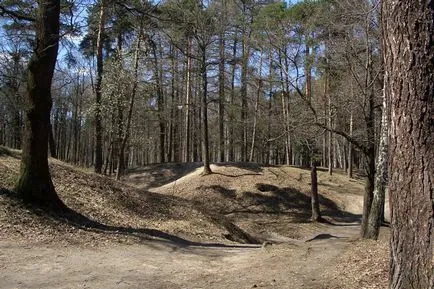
[409, 72]
[316, 214]
[330, 124]
[231, 152]
[99, 68]
[205, 144]
[221, 148]
[35, 183]
[187, 104]
[243, 92]
[160, 104]
[350, 149]
[377, 206]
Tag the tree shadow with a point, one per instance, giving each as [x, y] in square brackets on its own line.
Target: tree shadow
[63, 214]
[284, 201]
[227, 193]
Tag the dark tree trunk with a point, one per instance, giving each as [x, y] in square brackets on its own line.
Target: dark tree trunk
[350, 149]
[316, 214]
[243, 91]
[369, 190]
[99, 68]
[35, 183]
[221, 152]
[17, 130]
[160, 103]
[376, 213]
[370, 170]
[52, 143]
[409, 65]
[187, 137]
[231, 152]
[205, 144]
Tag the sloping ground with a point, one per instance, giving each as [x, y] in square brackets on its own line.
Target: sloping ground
[271, 203]
[103, 205]
[364, 265]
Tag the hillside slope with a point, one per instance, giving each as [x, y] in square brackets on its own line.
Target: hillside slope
[102, 205]
[183, 223]
[271, 202]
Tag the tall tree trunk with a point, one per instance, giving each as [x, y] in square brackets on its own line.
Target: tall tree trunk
[35, 183]
[370, 167]
[377, 206]
[350, 148]
[330, 125]
[121, 160]
[255, 116]
[205, 144]
[221, 148]
[316, 214]
[243, 92]
[187, 104]
[231, 153]
[160, 103]
[409, 72]
[99, 68]
[270, 112]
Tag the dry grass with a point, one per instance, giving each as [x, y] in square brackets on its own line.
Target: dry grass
[104, 201]
[174, 202]
[269, 202]
[365, 265]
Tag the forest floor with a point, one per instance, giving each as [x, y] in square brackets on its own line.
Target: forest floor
[166, 226]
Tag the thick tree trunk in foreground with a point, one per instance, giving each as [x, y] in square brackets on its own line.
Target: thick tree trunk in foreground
[409, 65]
[35, 183]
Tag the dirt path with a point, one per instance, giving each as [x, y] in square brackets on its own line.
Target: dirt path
[294, 264]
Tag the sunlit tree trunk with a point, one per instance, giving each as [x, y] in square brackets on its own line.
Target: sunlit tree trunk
[377, 206]
[409, 73]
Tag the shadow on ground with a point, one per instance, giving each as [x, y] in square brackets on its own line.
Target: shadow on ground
[64, 215]
[274, 200]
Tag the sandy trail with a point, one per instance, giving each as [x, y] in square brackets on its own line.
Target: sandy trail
[290, 263]
[294, 264]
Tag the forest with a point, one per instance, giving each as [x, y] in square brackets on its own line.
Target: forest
[344, 87]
